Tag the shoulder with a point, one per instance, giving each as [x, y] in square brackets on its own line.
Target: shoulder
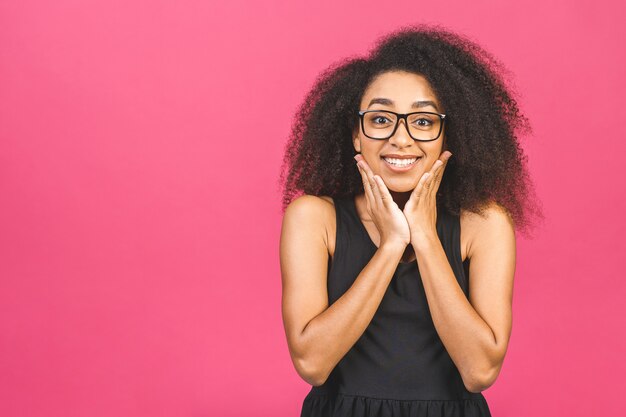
[310, 205]
[315, 214]
[494, 225]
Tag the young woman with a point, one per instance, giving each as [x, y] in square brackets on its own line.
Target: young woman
[398, 259]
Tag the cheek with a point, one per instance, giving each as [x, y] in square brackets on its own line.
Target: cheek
[377, 163]
[372, 157]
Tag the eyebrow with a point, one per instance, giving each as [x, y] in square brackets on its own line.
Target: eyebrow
[417, 104]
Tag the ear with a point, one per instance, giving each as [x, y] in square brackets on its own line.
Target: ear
[356, 142]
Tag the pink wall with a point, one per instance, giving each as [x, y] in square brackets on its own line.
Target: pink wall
[139, 219]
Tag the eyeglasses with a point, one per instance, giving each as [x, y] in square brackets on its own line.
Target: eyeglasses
[382, 124]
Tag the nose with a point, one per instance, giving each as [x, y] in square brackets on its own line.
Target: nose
[401, 137]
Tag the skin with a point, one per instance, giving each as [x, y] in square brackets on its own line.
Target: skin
[411, 219]
[398, 211]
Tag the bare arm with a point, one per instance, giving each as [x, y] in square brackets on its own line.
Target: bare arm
[319, 335]
[475, 332]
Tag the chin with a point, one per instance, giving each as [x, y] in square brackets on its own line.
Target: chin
[401, 186]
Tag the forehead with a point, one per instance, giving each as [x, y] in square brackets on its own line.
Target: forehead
[401, 87]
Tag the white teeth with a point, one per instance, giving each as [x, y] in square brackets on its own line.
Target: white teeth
[400, 162]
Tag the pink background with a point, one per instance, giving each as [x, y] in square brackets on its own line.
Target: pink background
[140, 146]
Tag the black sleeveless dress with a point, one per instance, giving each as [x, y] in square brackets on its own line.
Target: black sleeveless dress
[399, 366]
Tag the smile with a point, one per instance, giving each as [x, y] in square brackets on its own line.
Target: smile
[400, 165]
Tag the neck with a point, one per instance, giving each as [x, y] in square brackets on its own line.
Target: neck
[400, 198]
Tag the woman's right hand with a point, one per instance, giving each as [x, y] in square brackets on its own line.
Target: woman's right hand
[390, 221]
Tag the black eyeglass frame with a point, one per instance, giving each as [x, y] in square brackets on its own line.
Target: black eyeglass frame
[442, 118]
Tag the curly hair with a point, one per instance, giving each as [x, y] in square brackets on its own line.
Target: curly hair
[482, 127]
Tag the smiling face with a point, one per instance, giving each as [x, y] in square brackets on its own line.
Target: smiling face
[399, 91]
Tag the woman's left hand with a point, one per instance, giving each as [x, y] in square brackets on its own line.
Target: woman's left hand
[421, 208]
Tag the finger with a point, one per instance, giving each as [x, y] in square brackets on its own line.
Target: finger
[445, 158]
[369, 195]
[438, 177]
[433, 178]
[366, 167]
[426, 186]
[385, 195]
[375, 189]
[418, 192]
[373, 184]
[437, 169]
[432, 185]
[429, 184]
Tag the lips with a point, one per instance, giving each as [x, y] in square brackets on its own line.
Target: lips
[393, 155]
[394, 164]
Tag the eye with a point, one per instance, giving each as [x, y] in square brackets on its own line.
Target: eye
[376, 118]
[423, 122]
